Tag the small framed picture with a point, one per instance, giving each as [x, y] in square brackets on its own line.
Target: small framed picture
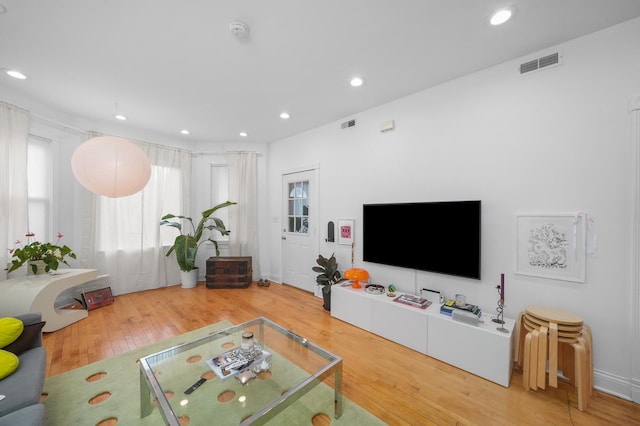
[345, 231]
[551, 246]
[97, 298]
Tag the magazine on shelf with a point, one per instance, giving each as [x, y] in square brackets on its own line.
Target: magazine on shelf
[411, 300]
[236, 360]
[449, 306]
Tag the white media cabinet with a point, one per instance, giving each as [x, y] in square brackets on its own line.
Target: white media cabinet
[481, 350]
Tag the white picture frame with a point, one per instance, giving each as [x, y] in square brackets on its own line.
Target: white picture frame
[345, 231]
[551, 246]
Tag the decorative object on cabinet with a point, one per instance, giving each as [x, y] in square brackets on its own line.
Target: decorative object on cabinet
[356, 275]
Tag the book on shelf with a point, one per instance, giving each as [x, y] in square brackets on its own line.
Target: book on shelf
[450, 305]
[411, 300]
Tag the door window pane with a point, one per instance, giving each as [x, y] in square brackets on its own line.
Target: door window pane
[298, 207]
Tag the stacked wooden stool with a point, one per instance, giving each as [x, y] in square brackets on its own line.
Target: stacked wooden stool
[559, 339]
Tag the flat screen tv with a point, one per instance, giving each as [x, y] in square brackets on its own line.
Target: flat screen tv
[441, 237]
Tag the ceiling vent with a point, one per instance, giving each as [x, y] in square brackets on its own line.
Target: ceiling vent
[540, 63]
[348, 124]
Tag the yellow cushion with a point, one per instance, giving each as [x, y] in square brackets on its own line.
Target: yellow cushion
[10, 330]
[8, 363]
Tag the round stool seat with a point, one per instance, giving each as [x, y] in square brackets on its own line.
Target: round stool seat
[561, 327]
[558, 316]
[561, 333]
[554, 315]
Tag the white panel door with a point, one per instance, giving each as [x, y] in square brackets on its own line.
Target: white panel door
[299, 229]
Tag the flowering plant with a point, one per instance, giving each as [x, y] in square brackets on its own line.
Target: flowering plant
[51, 254]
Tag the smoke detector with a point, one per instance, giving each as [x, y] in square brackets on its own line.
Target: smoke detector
[238, 29]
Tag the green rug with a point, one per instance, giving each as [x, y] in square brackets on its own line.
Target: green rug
[68, 394]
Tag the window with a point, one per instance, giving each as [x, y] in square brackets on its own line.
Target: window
[220, 194]
[39, 188]
[298, 207]
[137, 225]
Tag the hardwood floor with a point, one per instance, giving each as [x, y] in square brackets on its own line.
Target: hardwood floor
[397, 384]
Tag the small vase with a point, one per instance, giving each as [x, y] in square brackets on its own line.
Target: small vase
[40, 265]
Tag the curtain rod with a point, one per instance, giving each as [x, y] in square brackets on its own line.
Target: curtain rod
[199, 153]
[65, 126]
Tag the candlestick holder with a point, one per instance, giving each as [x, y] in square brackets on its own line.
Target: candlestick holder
[500, 317]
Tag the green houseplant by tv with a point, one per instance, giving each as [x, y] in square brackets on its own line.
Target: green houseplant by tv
[328, 275]
[186, 244]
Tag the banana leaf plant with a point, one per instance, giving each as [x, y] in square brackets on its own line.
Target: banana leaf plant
[186, 244]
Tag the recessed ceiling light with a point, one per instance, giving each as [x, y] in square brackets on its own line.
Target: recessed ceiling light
[120, 117]
[16, 74]
[184, 131]
[284, 115]
[244, 134]
[500, 17]
[356, 82]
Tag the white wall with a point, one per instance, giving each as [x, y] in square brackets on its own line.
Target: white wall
[554, 141]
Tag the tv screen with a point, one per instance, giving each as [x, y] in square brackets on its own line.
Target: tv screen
[441, 237]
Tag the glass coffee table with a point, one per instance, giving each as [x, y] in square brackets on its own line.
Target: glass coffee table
[245, 374]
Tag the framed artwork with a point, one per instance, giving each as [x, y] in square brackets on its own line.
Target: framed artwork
[551, 246]
[97, 298]
[345, 231]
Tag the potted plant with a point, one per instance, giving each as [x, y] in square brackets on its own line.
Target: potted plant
[186, 244]
[328, 275]
[40, 257]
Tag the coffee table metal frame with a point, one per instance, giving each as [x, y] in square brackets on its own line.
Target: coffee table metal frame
[150, 388]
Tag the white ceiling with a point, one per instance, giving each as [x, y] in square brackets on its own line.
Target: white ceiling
[170, 65]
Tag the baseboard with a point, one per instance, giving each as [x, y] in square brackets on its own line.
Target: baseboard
[635, 391]
[616, 385]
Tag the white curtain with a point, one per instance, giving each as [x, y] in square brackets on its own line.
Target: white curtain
[124, 235]
[14, 133]
[243, 218]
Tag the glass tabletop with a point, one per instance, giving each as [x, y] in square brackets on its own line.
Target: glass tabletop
[245, 374]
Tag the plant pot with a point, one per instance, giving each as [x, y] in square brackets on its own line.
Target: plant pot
[326, 297]
[189, 278]
[40, 265]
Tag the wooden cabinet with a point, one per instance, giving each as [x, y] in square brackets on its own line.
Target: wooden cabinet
[229, 272]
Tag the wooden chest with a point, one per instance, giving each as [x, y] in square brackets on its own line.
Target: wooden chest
[229, 272]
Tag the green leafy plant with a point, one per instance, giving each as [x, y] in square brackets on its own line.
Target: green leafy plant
[51, 254]
[328, 273]
[186, 244]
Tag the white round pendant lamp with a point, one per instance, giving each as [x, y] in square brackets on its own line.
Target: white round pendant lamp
[110, 166]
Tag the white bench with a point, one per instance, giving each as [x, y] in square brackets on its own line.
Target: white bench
[38, 293]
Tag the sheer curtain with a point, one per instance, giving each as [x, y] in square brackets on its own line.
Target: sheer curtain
[243, 218]
[14, 133]
[123, 235]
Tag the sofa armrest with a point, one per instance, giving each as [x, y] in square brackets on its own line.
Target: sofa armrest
[30, 318]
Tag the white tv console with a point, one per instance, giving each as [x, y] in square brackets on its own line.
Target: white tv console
[481, 350]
